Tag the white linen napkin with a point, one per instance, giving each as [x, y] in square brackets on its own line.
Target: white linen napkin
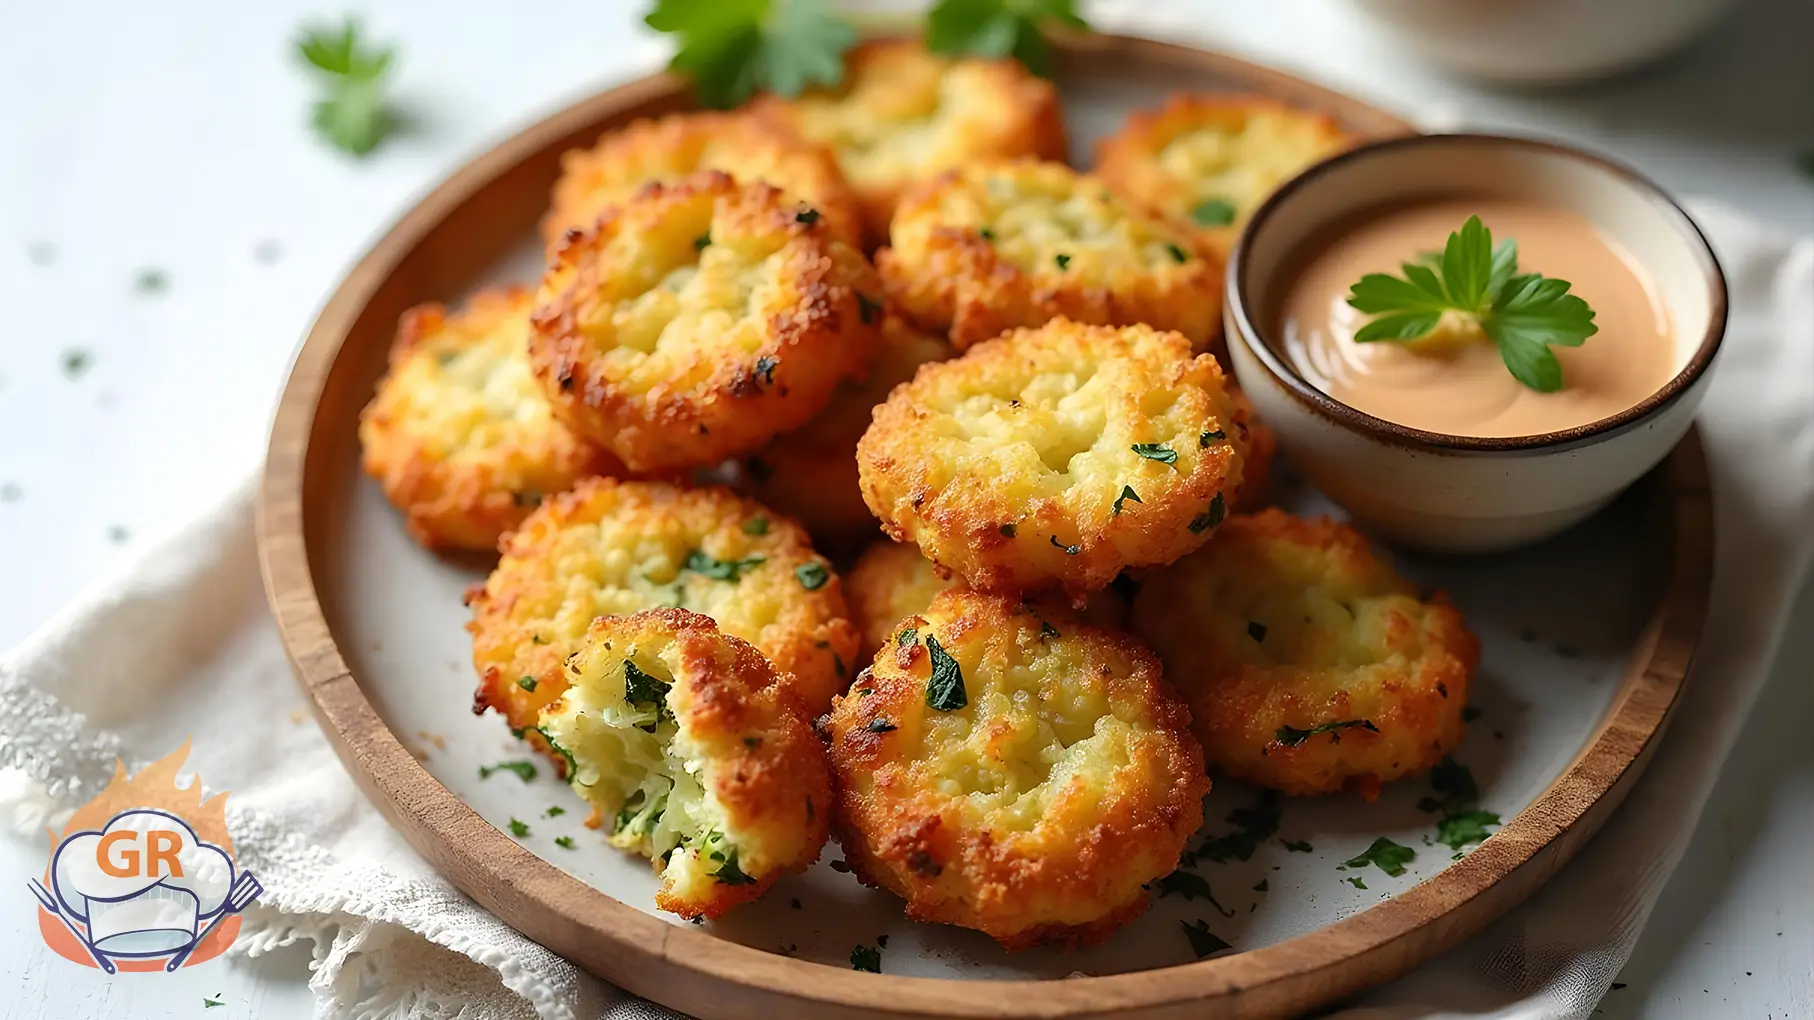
[180, 645]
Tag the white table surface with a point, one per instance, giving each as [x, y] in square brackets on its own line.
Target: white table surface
[172, 136]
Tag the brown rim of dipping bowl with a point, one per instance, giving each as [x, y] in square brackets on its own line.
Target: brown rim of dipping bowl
[1241, 310]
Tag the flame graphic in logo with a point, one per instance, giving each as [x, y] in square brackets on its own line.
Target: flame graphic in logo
[125, 810]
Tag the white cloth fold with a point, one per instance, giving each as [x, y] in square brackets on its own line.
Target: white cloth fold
[180, 645]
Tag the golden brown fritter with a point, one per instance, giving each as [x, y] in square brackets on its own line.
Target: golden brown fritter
[1262, 450]
[892, 581]
[810, 474]
[1210, 160]
[610, 548]
[1014, 770]
[459, 435]
[691, 750]
[1308, 664]
[670, 148]
[1056, 456]
[700, 320]
[995, 246]
[904, 115]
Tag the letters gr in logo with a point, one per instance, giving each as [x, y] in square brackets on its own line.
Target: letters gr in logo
[142, 877]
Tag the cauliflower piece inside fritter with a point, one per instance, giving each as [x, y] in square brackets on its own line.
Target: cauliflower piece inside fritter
[1056, 456]
[692, 753]
[698, 321]
[1308, 663]
[892, 581]
[669, 148]
[611, 548]
[1014, 770]
[904, 114]
[1210, 160]
[999, 245]
[459, 435]
[810, 474]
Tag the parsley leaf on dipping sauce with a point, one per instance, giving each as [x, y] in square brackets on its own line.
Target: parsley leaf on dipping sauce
[525, 770]
[999, 28]
[353, 115]
[1156, 451]
[720, 570]
[1203, 942]
[812, 576]
[1525, 314]
[1389, 856]
[733, 48]
[945, 688]
[867, 958]
[1291, 736]
[1127, 493]
[1213, 213]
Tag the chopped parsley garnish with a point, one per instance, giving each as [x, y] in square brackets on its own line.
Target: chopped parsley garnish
[1047, 631]
[985, 233]
[1462, 828]
[554, 745]
[211, 1003]
[1256, 630]
[765, 367]
[1177, 253]
[1069, 550]
[1261, 886]
[1291, 736]
[756, 526]
[867, 958]
[1455, 783]
[554, 812]
[702, 242]
[879, 725]
[1470, 713]
[518, 829]
[868, 309]
[76, 362]
[1203, 942]
[907, 636]
[729, 873]
[1253, 826]
[720, 570]
[1191, 886]
[812, 576]
[525, 770]
[151, 281]
[999, 28]
[1388, 856]
[945, 689]
[1355, 881]
[640, 688]
[1063, 260]
[1007, 531]
[1203, 440]
[1213, 213]
[1218, 510]
[1297, 846]
[564, 842]
[1157, 451]
[1127, 493]
[1479, 284]
[527, 683]
[733, 50]
[807, 216]
[352, 114]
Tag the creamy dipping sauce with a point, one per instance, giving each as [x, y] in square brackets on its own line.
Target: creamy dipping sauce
[1464, 388]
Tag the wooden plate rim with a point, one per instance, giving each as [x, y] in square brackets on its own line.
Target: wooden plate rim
[699, 973]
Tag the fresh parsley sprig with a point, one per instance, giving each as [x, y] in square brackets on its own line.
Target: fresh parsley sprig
[353, 115]
[733, 48]
[1000, 28]
[1525, 314]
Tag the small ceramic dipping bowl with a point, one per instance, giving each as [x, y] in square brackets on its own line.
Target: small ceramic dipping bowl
[1450, 493]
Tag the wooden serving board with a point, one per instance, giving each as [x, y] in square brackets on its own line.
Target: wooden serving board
[1587, 640]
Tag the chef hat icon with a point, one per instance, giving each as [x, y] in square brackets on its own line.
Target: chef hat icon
[146, 910]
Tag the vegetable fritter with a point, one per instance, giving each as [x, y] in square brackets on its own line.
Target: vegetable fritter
[997, 245]
[692, 753]
[669, 148]
[1210, 160]
[1057, 456]
[1308, 663]
[904, 114]
[1014, 770]
[613, 548]
[699, 320]
[892, 581]
[459, 434]
[810, 474]
[1262, 450]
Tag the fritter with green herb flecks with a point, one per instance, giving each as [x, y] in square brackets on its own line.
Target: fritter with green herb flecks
[1057, 456]
[610, 548]
[692, 752]
[1309, 665]
[459, 435]
[699, 320]
[1015, 770]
